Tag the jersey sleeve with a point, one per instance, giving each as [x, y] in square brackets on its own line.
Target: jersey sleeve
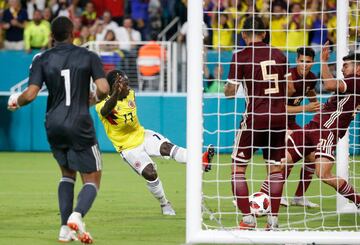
[349, 83]
[97, 70]
[36, 76]
[235, 74]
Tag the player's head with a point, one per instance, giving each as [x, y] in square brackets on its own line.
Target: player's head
[61, 29]
[117, 76]
[253, 30]
[304, 60]
[351, 64]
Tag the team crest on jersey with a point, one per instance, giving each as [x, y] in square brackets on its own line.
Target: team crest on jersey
[131, 104]
[137, 164]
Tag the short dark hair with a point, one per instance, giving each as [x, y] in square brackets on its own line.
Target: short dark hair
[253, 25]
[305, 51]
[112, 75]
[352, 56]
[61, 28]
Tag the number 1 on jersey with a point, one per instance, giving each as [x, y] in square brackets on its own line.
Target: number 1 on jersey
[66, 74]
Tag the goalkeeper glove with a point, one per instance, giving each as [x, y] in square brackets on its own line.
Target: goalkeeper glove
[13, 102]
[93, 95]
[207, 157]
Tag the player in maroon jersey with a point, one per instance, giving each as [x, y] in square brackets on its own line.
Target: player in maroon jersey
[322, 133]
[301, 84]
[261, 70]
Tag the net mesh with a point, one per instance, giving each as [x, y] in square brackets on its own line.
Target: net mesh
[289, 25]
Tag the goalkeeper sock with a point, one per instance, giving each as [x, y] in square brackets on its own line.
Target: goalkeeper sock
[86, 198]
[178, 154]
[306, 175]
[348, 191]
[273, 186]
[66, 198]
[156, 188]
[241, 192]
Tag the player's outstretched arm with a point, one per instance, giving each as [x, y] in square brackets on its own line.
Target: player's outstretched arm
[230, 89]
[311, 107]
[330, 83]
[111, 102]
[18, 100]
[102, 88]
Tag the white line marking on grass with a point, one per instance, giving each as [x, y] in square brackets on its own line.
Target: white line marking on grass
[308, 220]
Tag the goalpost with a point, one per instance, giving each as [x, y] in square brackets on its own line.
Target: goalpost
[212, 224]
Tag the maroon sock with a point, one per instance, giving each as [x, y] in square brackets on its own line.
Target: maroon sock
[287, 171]
[348, 191]
[241, 192]
[273, 186]
[306, 175]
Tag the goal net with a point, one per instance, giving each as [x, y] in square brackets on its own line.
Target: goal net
[212, 213]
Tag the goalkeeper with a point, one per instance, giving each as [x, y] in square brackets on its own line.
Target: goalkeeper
[135, 144]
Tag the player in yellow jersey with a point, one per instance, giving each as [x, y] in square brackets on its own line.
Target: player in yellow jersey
[135, 144]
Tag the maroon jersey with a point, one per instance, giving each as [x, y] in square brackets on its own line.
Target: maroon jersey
[340, 108]
[262, 70]
[302, 87]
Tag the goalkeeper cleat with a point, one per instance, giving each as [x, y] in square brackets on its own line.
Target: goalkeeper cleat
[284, 202]
[66, 234]
[167, 209]
[207, 158]
[303, 201]
[75, 223]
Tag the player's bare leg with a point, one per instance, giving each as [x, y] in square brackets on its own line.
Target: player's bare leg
[86, 197]
[241, 194]
[168, 149]
[323, 171]
[306, 175]
[273, 187]
[66, 200]
[155, 186]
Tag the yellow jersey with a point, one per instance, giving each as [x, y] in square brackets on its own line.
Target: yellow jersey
[122, 125]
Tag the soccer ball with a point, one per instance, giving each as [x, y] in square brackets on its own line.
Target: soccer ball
[259, 203]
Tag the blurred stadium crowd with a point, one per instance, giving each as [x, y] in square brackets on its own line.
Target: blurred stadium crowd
[25, 23]
[292, 23]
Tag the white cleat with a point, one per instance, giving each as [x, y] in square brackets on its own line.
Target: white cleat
[284, 202]
[76, 224]
[167, 209]
[303, 201]
[66, 234]
[272, 223]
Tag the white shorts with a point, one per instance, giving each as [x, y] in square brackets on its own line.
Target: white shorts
[139, 157]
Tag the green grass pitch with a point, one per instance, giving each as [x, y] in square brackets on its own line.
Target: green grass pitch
[125, 212]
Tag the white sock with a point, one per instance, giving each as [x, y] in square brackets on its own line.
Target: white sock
[156, 188]
[178, 153]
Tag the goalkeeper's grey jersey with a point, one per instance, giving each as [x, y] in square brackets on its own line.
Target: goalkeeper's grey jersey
[66, 70]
